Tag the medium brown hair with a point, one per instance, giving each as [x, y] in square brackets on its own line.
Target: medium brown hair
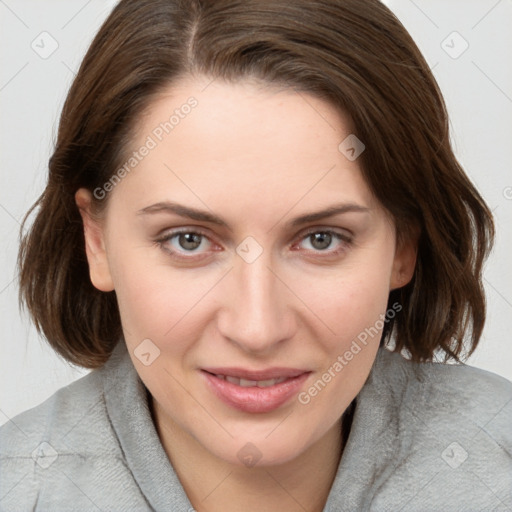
[354, 54]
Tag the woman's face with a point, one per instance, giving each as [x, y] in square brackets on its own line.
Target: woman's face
[244, 246]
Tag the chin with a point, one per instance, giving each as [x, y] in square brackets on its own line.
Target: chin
[260, 449]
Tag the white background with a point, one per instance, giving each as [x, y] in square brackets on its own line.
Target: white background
[477, 86]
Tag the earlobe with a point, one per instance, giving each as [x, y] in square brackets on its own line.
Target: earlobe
[99, 269]
[404, 263]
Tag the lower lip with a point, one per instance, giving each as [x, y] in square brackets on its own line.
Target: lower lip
[254, 399]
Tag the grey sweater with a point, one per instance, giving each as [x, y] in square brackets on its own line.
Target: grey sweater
[424, 437]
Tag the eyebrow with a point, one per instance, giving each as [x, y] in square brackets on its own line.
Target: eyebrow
[205, 216]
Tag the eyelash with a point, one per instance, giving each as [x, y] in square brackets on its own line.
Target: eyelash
[346, 241]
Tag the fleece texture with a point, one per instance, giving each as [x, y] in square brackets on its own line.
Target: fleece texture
[424, 437]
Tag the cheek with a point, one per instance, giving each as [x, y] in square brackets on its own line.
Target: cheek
[157, 300]
[349, 301]
[353, 308]
[151, 297]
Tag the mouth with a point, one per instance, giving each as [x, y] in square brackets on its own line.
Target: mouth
[245, 383]
[255, 391]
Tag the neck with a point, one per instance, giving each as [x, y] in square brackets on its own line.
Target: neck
[222, 486]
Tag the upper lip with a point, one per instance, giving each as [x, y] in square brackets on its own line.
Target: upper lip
[269, 373]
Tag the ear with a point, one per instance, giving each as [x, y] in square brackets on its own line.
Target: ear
[405, 261]
[99, 269]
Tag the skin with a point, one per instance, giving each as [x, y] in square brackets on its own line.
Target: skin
[258, 157]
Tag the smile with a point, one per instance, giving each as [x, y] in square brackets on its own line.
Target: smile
[251, 383]
[260, 393]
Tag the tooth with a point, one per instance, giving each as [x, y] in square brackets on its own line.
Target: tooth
[266, 383]
[251, 383]
[247, 383]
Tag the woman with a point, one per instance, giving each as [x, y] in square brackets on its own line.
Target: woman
[256, 233]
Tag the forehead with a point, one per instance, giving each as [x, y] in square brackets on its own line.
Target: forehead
[227, 143]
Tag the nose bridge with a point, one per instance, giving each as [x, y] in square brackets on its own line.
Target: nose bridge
[257, 314]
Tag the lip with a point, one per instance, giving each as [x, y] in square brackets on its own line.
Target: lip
[254, 399]
[269, 373]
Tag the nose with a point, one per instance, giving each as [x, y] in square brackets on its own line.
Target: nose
[256, 312]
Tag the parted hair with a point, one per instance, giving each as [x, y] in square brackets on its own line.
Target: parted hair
[354, 54]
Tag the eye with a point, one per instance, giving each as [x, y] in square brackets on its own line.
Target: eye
[188, 244]
[185, 243]
[327, 241]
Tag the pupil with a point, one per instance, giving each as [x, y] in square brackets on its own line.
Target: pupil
[190, 240]
[321, 240]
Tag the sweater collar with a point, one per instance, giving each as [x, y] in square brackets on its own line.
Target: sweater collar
[129, 412]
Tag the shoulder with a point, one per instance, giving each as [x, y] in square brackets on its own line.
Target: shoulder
[63, 448]
[479, 389]
[64, 410]
[454, 391]
[455, 440]
[69, 411]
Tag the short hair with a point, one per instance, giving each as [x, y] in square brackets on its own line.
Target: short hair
[354, 54]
